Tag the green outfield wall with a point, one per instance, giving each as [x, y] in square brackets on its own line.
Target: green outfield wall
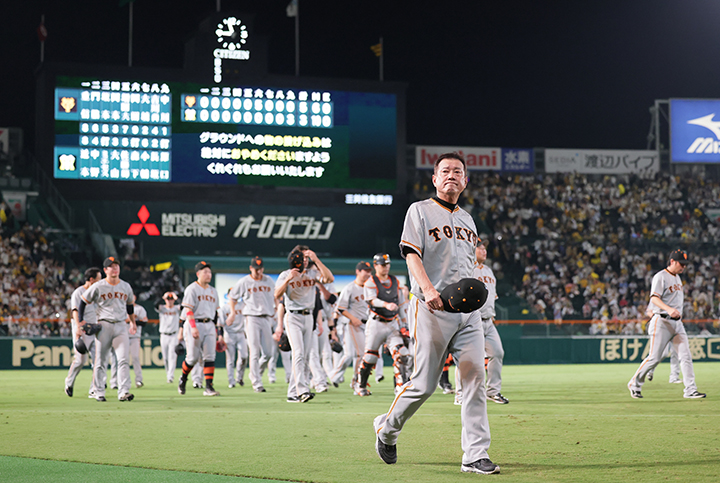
[20, 353]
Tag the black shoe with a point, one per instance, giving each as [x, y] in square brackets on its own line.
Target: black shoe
[380, 379]
[498, 398]
[305, 397]
[181, 386]
[197, 386]
[293, 399]
[126, 397]
[210, 390]
[336, 384]
[260, 389]
[241, 382]
[386, 452]
[695, 395]
[650, 377]
[100, 399]
[483, 466]
[69, 391]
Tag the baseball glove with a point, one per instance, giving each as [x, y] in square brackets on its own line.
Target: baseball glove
[284, 343]
[336, 346]
[80, 346]
[180, 349]
[92, 329]
[220, 346]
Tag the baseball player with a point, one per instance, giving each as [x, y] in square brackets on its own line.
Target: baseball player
[328, 305]
[257, 291]
[666, 294]
[199, 311]
[92, 275]
[169, 314]
[114, 306]
[438, 242]
[237, 346]
[384, 297]
[297, 285]
[669, 351]
[352, 306]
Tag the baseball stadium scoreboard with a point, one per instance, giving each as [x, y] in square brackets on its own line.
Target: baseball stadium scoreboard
[155, 131]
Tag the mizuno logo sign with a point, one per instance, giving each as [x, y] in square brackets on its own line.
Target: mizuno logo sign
[706, 145]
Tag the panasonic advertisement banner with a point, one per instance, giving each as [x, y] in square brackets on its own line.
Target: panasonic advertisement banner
[602, 161]
[694, 130]
[516, 160]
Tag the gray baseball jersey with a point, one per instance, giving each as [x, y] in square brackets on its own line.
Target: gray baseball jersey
[90, 312]
[352, 299]
[670, 290]
[445, 239]
[258, 295]
[300, 292]
[202, 301]
[111, 300]
[486, 276]
[239, 321]
[169, 319]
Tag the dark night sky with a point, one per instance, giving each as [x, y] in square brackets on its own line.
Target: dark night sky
[575, 74]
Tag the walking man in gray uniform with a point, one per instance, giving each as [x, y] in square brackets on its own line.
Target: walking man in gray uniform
[297, 285]
[257, 291]
[236, 354]
[92, 275]
[114, 304]
[438, 241]
[199, 311]
[169, 314]
[666, 294]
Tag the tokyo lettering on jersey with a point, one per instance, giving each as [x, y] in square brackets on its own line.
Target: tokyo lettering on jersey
[445, 239]
[352, 299]
[486, 276]
[670, 290]
[387, 292]
[239, 321]
[202, 301]
[300, 291]
[111, 300]
[169, 319]
[258, 295]
[90, 310]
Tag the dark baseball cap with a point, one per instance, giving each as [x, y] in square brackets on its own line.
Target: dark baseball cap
[381, 259]
[679, 256]
[483, 240]
[202, 264]
[467, 295]
[363, 266]
[257, 262]
[109, 261]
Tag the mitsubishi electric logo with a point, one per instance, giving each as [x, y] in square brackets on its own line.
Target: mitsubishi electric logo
[695, 133]
[137, 228]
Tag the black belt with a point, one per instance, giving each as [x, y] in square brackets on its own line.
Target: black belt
[169, 333]
[204, 320]
[667, 317]
[301, 312]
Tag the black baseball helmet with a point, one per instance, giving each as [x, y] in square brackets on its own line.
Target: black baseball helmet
[465, 296]
[80, 346]
[381, 259]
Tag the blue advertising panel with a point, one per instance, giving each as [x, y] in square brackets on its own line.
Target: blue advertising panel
[518, 160]
[694, 131]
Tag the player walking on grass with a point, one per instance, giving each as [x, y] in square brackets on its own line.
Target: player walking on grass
[438, 242]
[666, 294]
[92, 275]
[169, 315]
[236, 355]
[257, 291]
[114, 305]
[199, 310]
[297, 285]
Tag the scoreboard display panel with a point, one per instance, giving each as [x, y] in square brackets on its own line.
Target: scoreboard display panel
[262, 135]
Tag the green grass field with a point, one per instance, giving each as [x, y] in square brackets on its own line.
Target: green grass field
[564, 423]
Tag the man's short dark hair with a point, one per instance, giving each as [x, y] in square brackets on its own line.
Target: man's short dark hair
[453, 155]
[91, 273]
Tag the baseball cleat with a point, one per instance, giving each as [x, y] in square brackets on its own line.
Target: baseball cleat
[695, 395]
[241, 382]
[181, 386]
[483, 467]
[380, 379]
[635, 394]
[210, 390]
[321, 389]
[362, 392]
[446, 388]
[386, 452]
[259, 389]
[649, 377]
[126, 397]
[91, 395]
[458, 400]
[293, 399]
[230, 386]
[305, 397]
[111, 387]
[197, 385]
[336, 384]
[170, 381]
[139, 384]
[272, 380]
[675, 381]
[498, 398]
[100, 399]
[69, 391]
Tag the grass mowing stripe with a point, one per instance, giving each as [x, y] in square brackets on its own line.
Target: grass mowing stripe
[31, 470]
[564, 423]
